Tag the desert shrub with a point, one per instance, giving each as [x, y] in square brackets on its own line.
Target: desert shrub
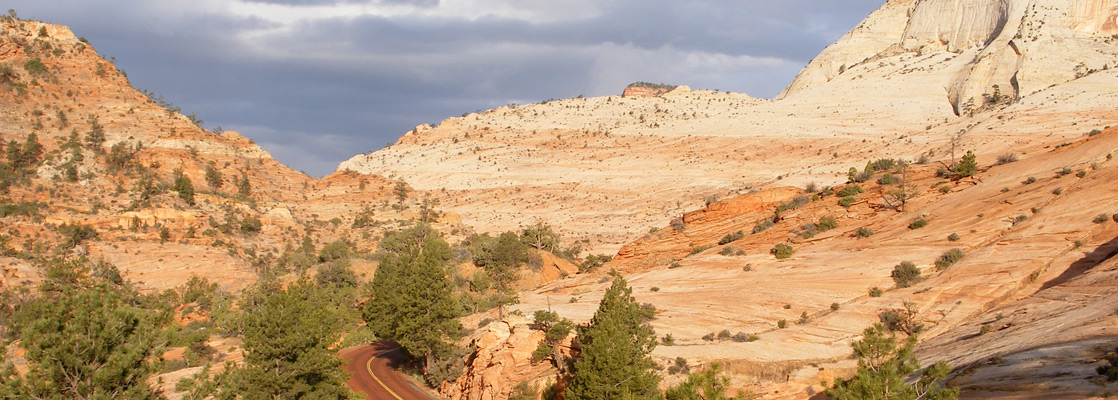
[854, 176]
[834, 306]
[763, 225]
[918, 223]
[698, 249]
[679, 366]
[809, 230]
[75, 234]
[678, 225]
[1063, 171]
[1100, 219]
[945, 189]
[1006, 158]
[881, 164]
[524, 391]
[724, 335]
[850, 190]
[887, 179]
[727, 251]
[782, 251]
[811, 187]
[674, 264]
[336, 250]
[23, 208]
[730, 237]
[902, 320]
[251, 225]
[793, 204]
[709, 337]
[744, 337]
[782, 324]
[948, 258]
[1019, 219]
[826, 223]
[1114, 217]
[984, 329]
[35, 66]
[1080, 174]
[593, 261]
[863, 232]
[848, 201]
[876, 292]
[667, 340]
[954, 237]
[1029, 181]
[1110, 370]
[906, 274]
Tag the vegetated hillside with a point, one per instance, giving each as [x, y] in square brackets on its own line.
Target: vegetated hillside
[997, 75]
[124, 176]
[109, 191]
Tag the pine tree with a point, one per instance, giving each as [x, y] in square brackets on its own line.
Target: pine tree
[95, 138]
[289, 346]
[213, 177]
[413, 301]
[614, 361]
[85, 338]
[32, 151]
[184, 186]
[244, 187]
[884, 365]
[968, 166]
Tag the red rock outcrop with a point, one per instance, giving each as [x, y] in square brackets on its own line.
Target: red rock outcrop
[702, 228]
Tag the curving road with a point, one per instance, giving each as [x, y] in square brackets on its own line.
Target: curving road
[372, 372]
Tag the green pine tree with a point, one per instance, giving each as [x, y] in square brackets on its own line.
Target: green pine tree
[289, 346]
[614, 361]
[184, 186]
[968, 166]
[413, 299]
[884, 365]
[85, 338]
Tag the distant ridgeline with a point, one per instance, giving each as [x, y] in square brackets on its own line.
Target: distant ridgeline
[645, 89]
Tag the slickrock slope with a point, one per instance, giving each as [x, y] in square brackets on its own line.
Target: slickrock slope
[902, 84]
[1038, 269]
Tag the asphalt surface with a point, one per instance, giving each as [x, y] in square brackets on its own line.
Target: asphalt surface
[373, 372]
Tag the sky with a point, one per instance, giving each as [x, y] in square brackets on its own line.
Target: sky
[315, 82]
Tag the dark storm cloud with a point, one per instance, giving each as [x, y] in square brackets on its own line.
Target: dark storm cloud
[314, 86]
[418, 3]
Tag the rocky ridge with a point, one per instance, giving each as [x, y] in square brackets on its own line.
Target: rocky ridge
[652, 158]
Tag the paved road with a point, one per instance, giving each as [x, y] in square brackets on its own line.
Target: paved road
[373, 372]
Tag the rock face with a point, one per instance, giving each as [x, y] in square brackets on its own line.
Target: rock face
[702, 228]
[645, 89]
[1020, 46]
[503, 358]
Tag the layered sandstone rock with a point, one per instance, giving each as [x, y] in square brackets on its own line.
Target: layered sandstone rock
[503, 357]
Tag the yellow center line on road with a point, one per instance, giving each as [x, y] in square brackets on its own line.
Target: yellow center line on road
[369, 367]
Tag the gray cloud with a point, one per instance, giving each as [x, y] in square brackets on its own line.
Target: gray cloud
[314, 85]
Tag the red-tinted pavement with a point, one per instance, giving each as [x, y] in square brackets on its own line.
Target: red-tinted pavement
[373, 372]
